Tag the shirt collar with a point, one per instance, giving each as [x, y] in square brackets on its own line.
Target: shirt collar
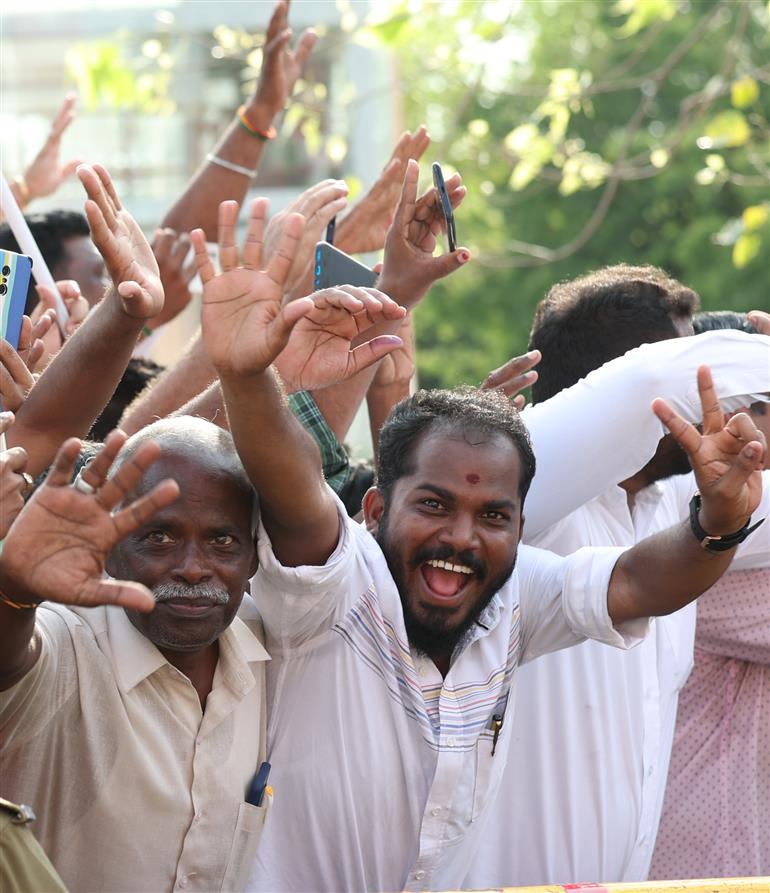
[135, 658]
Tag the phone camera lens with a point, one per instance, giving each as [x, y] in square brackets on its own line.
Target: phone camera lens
[6, 270]
[3, 289]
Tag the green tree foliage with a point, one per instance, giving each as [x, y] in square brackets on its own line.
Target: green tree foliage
[588, 134]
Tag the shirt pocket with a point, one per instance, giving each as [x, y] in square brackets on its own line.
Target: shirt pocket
[248, 831]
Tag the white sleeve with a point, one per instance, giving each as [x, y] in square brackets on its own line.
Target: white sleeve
[298, 604]
[601, 431]
[564, 601]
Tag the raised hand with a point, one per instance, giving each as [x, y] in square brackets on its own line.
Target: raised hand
[16, 380]
[244, 325]
[14, 482]
[176, 273]
[46, 173]
[513, 376]
[726, 459]
[126, 252]
[280, 66]
[409, 267]
[57, 546]
[366, 225]
[319, 351]
[317, 205]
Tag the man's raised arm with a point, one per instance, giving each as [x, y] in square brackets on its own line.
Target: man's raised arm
[228, 170]
[79, 381]
[245, 328]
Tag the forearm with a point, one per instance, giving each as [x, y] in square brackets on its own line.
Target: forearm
[282, 461]
[18, 648]
[212, 183]
[191, 375]
[208, 405]
[662, 574]
[379, 402]
[77, 384]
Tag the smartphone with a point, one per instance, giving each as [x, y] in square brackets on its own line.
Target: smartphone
[15, 270]
[446, 205]
[334, 267]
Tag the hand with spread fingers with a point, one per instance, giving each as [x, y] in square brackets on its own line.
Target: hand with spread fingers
[176, 272]
[245, 327]
[318, 205]
[126, 252]
[727, 459]
[15, 483]
[365, 226]
[319, 351]
[16, 380]
[70, 530]
[281, 67]
[409, 267]
[46, 173]
[513, 376]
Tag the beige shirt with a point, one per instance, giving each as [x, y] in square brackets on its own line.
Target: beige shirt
[135, 788]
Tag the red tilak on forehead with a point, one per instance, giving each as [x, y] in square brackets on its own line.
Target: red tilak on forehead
[472, 478]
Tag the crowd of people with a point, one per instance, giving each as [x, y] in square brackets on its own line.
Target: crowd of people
[233, 659]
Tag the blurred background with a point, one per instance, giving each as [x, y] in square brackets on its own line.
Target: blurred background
[588, 132]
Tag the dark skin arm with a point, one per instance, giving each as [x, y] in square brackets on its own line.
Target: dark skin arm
[70, 535]
[665, 572]
[212, 184]
[65, 402]
[245, 328]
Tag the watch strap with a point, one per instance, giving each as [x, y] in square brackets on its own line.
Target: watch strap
[717, 543]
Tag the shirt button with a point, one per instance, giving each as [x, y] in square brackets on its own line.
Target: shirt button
[435, 811]
[450, 742]
[183, 882]
[419, 875]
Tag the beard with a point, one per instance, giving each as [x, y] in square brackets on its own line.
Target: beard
[434, 632]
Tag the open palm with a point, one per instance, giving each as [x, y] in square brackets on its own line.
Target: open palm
[70, 533]
[126, 252]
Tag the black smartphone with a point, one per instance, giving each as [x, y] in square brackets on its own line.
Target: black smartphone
[334, 267]
[446, 205]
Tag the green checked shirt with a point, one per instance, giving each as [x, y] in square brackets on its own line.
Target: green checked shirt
[334, 459]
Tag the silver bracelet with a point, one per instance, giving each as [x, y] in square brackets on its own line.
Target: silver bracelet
[228, 165]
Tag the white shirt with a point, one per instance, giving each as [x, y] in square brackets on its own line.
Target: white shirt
[383, 771]
[593, 726]
[135, 787]
[599, 432]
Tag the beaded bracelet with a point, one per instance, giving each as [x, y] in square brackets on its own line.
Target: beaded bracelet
[264, 135]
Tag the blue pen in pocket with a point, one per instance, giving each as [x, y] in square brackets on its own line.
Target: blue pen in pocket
[256, 791]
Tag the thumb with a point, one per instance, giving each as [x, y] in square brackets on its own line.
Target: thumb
[70, 167]
[371, 351]
[128, 594]
[135, 299]
[447, 263]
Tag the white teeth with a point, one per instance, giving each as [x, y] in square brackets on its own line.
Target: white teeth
[445, 565]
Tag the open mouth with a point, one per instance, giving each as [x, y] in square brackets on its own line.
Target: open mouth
[444, 580]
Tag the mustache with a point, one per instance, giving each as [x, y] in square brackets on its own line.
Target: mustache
[166, 592]
[447, 553]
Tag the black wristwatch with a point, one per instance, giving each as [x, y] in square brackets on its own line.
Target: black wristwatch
[717, 543]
